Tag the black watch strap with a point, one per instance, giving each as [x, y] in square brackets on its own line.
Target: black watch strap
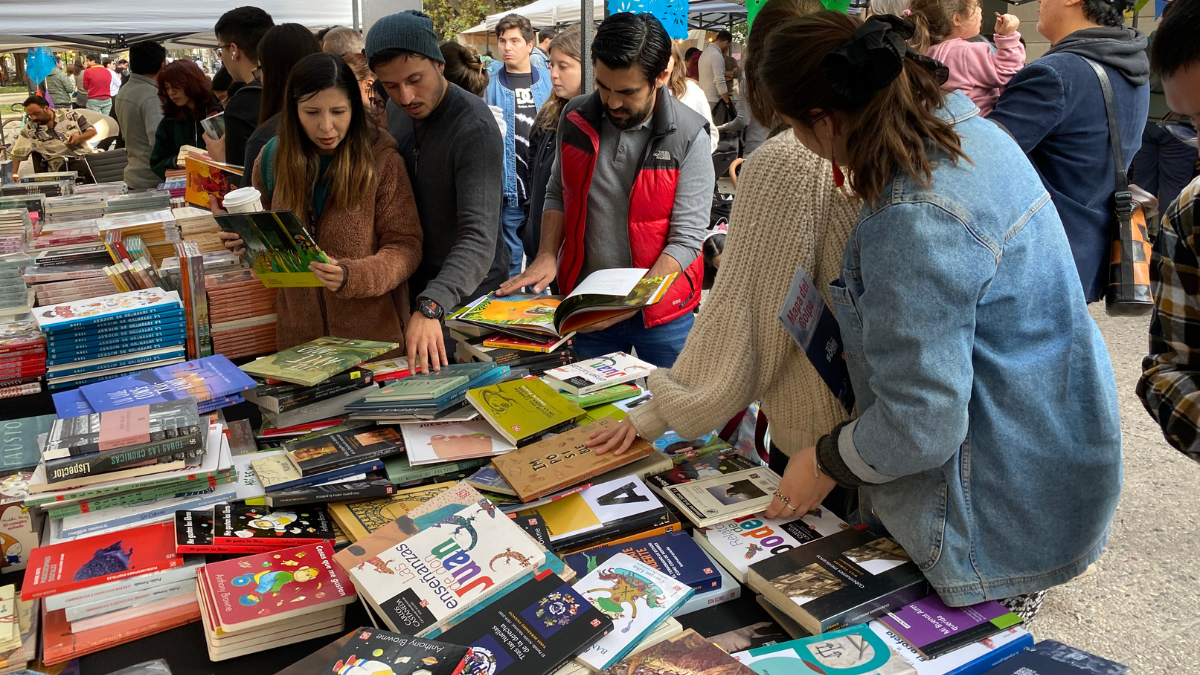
[430, 309]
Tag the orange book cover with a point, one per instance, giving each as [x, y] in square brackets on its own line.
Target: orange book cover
[59, 644]
[208, 181]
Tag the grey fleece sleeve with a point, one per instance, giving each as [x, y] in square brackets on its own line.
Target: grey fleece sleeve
[693, 203]
[478, 177]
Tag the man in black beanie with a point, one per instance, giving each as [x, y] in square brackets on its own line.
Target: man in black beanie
[454, 157]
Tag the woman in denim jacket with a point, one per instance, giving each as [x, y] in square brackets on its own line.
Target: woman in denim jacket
[988, 441]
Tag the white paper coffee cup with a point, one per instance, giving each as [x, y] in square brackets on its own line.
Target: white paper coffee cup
[243, 200]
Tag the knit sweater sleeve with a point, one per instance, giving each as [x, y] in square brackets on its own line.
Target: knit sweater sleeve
[398, 234]
[738, 348]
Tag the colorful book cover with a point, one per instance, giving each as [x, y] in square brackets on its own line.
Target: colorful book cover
[585, 377]
[273, 587]
[194, 534]
[489, 479]
[479, 552]
[538, 345]
[709, 501]
[531, 630]
[106, 309]
[618, 392]
[976, 658]
[241, 524]
[602, 510]
[521, 409]
[359, 519]
[97, 560]
[371, 651]
[19, 442]
[851, 651]
[19, 530]
[533, 313]
[676, 554]
[741, 542]
[436, 442]
[276, 246]
[691, 465]
[317, 360]
[933, 628]
[344, 448]
[636, 597]
[208, 182]
[685, 653]
[205, 379]
[556, 463]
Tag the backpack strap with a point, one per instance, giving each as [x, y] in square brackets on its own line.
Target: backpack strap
[1122, 195]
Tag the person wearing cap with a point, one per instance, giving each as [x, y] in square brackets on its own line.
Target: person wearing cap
[455, 160]
[1055, 110]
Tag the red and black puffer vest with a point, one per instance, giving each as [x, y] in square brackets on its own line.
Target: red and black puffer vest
[650, 201]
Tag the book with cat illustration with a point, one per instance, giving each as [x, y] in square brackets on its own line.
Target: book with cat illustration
[72, 565]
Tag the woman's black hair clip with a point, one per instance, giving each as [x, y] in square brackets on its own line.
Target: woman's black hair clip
[873, 57]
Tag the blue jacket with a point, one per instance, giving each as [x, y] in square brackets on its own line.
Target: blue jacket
[988, 436]
[1054, 109]
[498, 94]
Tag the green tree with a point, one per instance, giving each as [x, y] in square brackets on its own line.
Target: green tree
[451, 17]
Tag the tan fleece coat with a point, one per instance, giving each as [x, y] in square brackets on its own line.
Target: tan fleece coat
[787, 214]
[379, 246]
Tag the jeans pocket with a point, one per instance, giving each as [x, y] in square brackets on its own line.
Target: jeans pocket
[849, 321]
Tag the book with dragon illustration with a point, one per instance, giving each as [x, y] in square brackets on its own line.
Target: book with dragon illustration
[426, 581]
[71, 565]
[531, 630]
[371, 651]
[636, 596]
[674, 554]
[240, 525]
[272, 587]
[739, 543]
[276, 246]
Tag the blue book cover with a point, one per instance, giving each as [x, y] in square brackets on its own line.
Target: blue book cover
[106, 309]
[1050, 657]
[104, 342]
[100, 376]
[125, 327]
[132, 359]
[211, 378]
[116, 350]
[367, 467]
[673, 553]
[18, 443]
[70, 403]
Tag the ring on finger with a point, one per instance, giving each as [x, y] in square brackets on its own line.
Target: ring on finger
[783, 498]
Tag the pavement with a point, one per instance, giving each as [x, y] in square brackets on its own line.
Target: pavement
[1140, 603]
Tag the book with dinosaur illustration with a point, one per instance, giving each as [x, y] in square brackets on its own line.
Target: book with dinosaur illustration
[435, 575]
[636, 596]
[675, 554]
[317, 360]
[371, 651]
[523, 409]
[712, 500]
[739, 543]
[71, 565]
[276, 246]
[851, 650]
[531, 630]
[241, 525]
[602, 511]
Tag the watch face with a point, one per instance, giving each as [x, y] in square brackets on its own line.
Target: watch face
[430, 308]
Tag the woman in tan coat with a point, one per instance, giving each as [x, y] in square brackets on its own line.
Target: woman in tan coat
[342, 176]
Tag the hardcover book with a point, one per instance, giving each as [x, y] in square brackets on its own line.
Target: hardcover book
[240, 524]
[206, 379]
[1049, 657]
[479, 552]
[437, 442]
[106, 309]
[531, 630]
[709, 501]
[72, 565]
[522, 409]
[558, 462]
[932, 628]
[276, 246]
[586, 377]
[676, 554]
[636, 596]
[286, 584]
[371, 651]
[19, 443]
[844, 579]
[852, 650]
[316, 361]
[604, 510]
[359, 519]
[686, 653]
[344, 448]
[194, 534]
[739, 543]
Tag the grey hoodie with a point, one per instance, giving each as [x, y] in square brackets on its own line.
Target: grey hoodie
[1120, 48]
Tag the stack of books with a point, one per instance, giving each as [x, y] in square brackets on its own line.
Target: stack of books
[48, 176]
[106, 337]
[46, 188]
[67, 234]
[438, 396]
[174, 185]
[199, 226]
[139, 201]
[74, 208]
[105, 190]
[34, 203]
[22, 358]
[15, 229]
[20, 627]
[74, 255]
[343, 462]
[195, 301]
[15, 297]
[242, 314]
[218, 262]
[213, 382]
[67, 283]
[156, 228]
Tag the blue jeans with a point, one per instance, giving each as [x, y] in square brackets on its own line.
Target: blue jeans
[659, 345]
[1163, 167]
[512, 214]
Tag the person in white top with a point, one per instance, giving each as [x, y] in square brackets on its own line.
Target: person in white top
[712, 69]
[114, 84]
[689, 93]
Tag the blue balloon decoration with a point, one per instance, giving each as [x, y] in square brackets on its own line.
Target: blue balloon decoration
[39, 63]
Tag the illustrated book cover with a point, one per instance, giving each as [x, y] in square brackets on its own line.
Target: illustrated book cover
[585, 377]
[687, 653]
[106, 309]
[371, 651]
[856, 650]
[360, 518]
[675, 554]
[277, 247]
[194, 534]
[239, 524]
[975, 658]
[709, 501]
[739, 543]
[602, 511]
[522, 409]
[207, 379]
[344, 448]
[72, 565]
[209, 181]
[933, 628]
[689, 464]
[437, 442]
[317, 360]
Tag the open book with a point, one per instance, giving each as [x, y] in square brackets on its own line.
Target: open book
[601, 296]
[276, 246]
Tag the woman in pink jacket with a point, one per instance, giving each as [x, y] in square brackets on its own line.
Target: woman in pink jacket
[944, 30]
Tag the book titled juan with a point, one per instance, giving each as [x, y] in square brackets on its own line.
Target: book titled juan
[558, 462]
[851, 650]
[242, 525]
[344, 448]
[72, 565]
[674, 554]
[371, 651]
[933, 628]
[316, 360]
[522, 409]
[585, 377]
[844, 579]
[531, 630]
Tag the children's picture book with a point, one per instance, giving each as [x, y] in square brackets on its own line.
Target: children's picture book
[531, 630]
[19, 526]
[933, 628]
[19, 442]
[272, 587]
[206, 379]
[478, 552]
[276, 246]
[604, 510]
[436, 442]
[675, 554]
[208, 181]
[72, 565]
[709, 501]
[106, 309]
[240, 524]
[854, 573]
[371, 651]
[585, 377]
[344, 448]
[852, 650]
[602, 296]
[740, 542]
[687, 652]
[522, 409]
[317, 360]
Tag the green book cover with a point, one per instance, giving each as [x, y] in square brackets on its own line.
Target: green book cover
[20, 444]
[316, 361]
[416, 387]
[136, 496]
[523, 408]
[401, 473]
[618, 392]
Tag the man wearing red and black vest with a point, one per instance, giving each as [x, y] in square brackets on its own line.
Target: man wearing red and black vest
[631, 187]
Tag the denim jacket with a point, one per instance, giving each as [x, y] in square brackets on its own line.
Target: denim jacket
[988, 440]
[498, 94]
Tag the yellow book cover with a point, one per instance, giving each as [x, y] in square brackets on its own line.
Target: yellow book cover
[208, 182]
[523, 408]
[358, 519]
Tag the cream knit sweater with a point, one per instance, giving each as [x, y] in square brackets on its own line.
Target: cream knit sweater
[787, 214]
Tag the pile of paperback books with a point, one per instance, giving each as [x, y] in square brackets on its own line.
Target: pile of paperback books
[242, 313]
[15, 229]
[22, 358]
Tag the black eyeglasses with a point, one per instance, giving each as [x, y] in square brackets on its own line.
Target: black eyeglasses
[221, 48]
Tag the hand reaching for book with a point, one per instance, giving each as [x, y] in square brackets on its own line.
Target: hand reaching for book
[539, 274]
[803, 486]
[331, 274]
[617, 437]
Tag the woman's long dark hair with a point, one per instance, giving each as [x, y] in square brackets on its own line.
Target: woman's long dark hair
[186, 75]
[281, 49]
[772, 15]
[297, 162]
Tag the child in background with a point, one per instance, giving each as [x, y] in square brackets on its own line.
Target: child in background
[944, 29]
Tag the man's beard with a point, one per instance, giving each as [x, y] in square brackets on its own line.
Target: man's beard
[632, 119]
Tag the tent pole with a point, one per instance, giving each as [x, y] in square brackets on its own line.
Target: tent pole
[587, 25]
[354, 13]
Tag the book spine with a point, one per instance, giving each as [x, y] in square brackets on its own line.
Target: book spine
[314, 496]
[81, 611]
[149, 515]
[278, 542]
[134, 498]
[20, 390]
[170, 449]
[57, 589]
[376, 465]
[299, 399]
[108, 636]
[116, 350]
[876, 607]
[63, 348]
[80, 331]
[80, 370]
[102, 320]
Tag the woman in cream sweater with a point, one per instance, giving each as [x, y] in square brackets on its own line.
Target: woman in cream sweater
[788, 215]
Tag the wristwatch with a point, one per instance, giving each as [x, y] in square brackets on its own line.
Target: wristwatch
[430, 309]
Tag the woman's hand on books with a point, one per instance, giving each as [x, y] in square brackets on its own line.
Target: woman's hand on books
[617, 437]
[425, 345]
[539, 274]
[803, 485]
[331, 274]
[232, 241]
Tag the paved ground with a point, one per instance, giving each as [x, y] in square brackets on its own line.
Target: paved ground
[1141, 603]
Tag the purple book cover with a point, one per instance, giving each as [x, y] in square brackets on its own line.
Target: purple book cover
[207, 379]
[928, 623]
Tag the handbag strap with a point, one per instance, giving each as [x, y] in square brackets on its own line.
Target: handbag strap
[1122, 195]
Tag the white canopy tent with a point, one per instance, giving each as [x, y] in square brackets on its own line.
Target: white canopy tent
[702, 15]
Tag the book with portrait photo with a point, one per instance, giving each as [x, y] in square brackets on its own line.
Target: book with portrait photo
[715, 499]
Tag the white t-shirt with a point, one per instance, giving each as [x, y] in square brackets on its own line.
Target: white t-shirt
[695, 99]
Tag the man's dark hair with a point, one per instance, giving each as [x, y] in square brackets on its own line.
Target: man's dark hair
[222, 80]
[244, 27]
[38, 101]
[726, 36]
[1106, 12]
[515, 21]
[545, 34]
[1175, 46]
[95, 58]
[146, 57]
[625, 40]
[106, 62]
[384, 55]
[122, 61]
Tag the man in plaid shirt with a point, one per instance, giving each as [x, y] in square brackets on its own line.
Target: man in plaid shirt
[1170, 382]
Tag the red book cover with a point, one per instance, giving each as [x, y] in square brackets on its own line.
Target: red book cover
[98, 560]
[271, 587]
[59, 644]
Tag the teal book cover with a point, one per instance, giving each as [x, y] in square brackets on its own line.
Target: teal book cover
[850, 651]
[20, 450]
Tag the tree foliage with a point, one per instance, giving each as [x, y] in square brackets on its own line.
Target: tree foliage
[451, 17]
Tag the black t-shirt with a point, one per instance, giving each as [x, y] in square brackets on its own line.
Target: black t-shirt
[526, 110]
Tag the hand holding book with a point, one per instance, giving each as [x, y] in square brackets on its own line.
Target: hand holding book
[803, 485]
[331, 274]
